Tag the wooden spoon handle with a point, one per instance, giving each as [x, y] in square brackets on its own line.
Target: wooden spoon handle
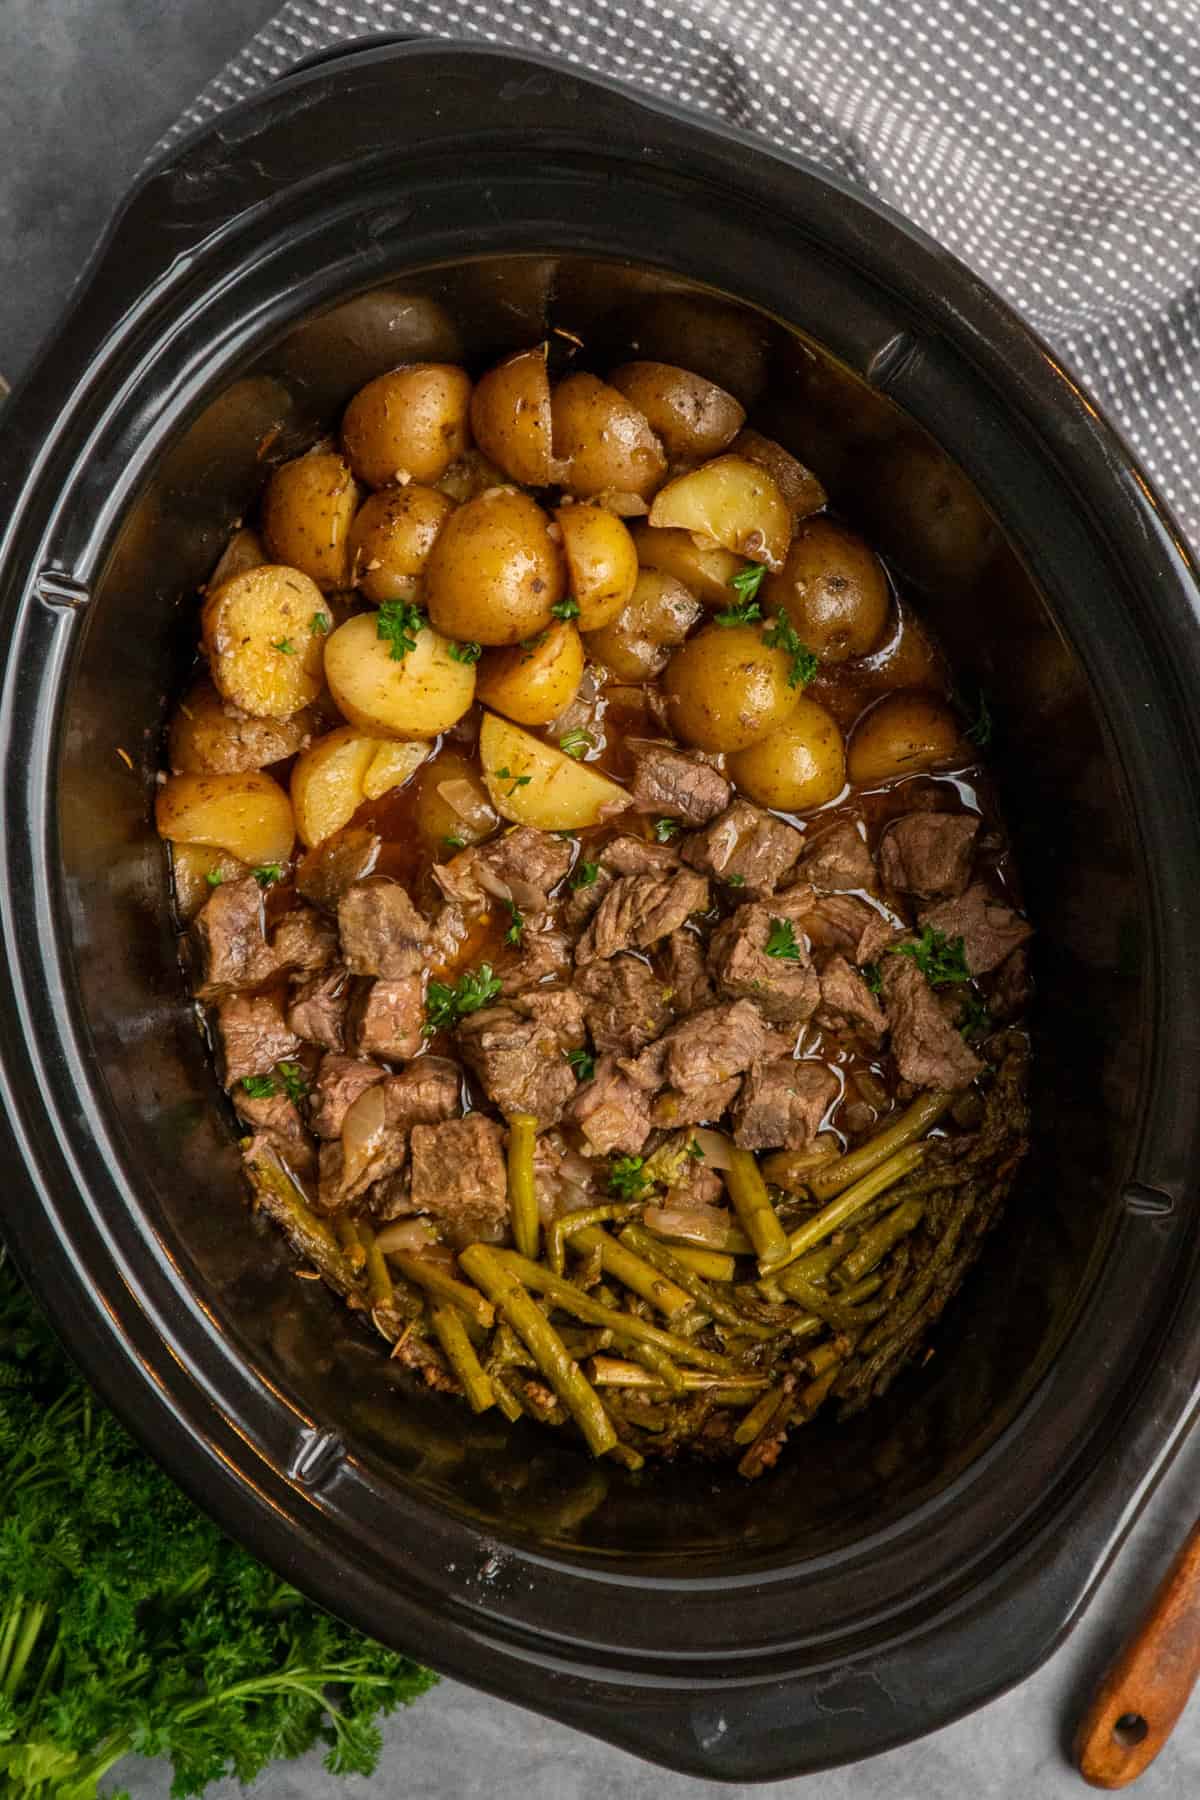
[1142, 1695]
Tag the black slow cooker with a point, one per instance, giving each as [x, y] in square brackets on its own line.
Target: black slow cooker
[890, 1574]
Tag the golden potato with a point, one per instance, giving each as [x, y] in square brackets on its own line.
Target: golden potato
[393, 533]
[408, 424]
[726, 688]
[248, 815]
[602, 442]
[798, 485]
[510, 417]
[800, 765]
[602, 563]
[723, 342]
[263, 634]
[901, 734]
[704, 568]
[694, 418]
[196, 869]
[334, 776]
[422, 692]
[635, 646]
[532, 783]
[533, 683]
[307, 511]
[207, 737]
[452, 802]
[391, 766]
[733, 502]
[834, 590]
[495, 572]
[245, 550]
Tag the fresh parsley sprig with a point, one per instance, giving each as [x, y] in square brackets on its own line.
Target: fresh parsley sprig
[446, 1005]
[583, 1063]
[781, 634]
[941, 960]
[466, 653]
[781, 941]
[398, 625]
[627, 1177]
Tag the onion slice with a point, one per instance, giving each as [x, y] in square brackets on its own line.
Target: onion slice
[362, 1132]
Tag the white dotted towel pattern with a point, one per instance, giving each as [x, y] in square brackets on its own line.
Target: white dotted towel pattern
[1054, 145]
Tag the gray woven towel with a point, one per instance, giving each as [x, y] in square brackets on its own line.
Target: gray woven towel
[1054, 145]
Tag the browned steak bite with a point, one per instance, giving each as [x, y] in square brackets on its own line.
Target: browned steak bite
[625, 1003]
[838, 923]
[523, 866]
[838, 859]
[638, 910]
[426, 1092]
[519, 1051]
[344, 1178]
[611, 1111]
[317, 1010]
[782, 1103]
[304, 941]
[686, 972]
[990, 931]
[928, 854]
[374, 1158]
[229, 940]
[713, 1045]
[387, 1016]
[331, 867]
[276, 1120]
[628, 855]
[540, 956]
[783, 987]
[745, 846]
[929, 1052]
[701, 1105]
[254, 1036]
[459, 1178]
[678, 786]
[340, 1080]
[1012, 988]
[847, 1003]
[382, 931]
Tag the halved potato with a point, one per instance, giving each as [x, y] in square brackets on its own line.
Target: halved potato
[733, 502]
[901, 734]
[495, 572]
[248, 815]
[341, 770]
[416, 696]
[636, 645]
[452, 805]
[602, 442]
[801, 764]
[307, 511]
[801, 489]
[207, 736]
[532, 783]
[196, 869]
[694, 418]
[245, 550]
[706, 569]
[263, 635]
[510, 416]
[393, 533]
[602, 563]
[533, 683]
[390, 767]
[408, 425]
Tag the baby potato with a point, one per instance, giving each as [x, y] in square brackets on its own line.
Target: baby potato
[425, 692]
[339, 771]
[660, 614]
[532, 783]
[904, 732]
[533, 684]
[494, 572]
[307, 511]
[410, 423]
[726, 688]
[834, 590]
[733, 502]
[392, 535]
[602, 563]
[693, 417]
[800, 765]
[510, 417]
[704, 568]
[205, 737]
[248, 815]
[602, 442]
[263, 635]
[191, 867]
[798, 485]
[454, 773]
[245, 550]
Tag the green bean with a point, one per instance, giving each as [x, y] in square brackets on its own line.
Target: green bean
[502, 1285]
[610, 1371]
[459, 1352]
[833, 1309]
[659, 1364]
[794, 1169]
[441, 1284]
[752, 1203]
[348, 1238]
[522, 1192]
[912, 1124]
[875, 1244]
[284, 1201]
[638, 1239]
[764, 1448]
[379, 1281]
[633, 1272]
[567, 1224]
[816, 1393]
[758, 1416]
[836, 1212]
[506, 1400]
[711, 1265]
[626, 1454]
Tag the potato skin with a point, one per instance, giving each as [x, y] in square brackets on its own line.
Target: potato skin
[602, 564]
[416, 697]
[393, 533]
[602, 442]
[332, 779]
[833, 588]
[558, 794]
[901, 734]
[692, 417]
[307, 511]
[636, 645]
[734, 502]
[801, 489]
[495, 572]
[191, 866]
[243, 625]
[533, 684]
[800, 765]
[245, 550]
[726, 688]
[248, 815]
[205, 738]
[706, 569]
[510, 417]
[410, 422]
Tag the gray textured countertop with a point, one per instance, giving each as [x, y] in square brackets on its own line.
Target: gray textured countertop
[87, 87]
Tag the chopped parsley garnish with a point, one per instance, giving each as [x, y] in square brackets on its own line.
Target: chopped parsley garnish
[454, 841]
[583, 1063]
[516, 929]
[745, 612]
[518, 781]
[626, 1177]
[319, 624]
[259, 1087]
[941, 960]
[285, 647]
[214, 877]
[466, 653]
[736, 880]
[576, 743]
[745, 585]
[566, 609]
[531, 643]
[267, 874]
[781, 941]
[973, 1015]
[781, 635]
[872, 977]
[695, 1152]
[294, 1084]
[398, 623]
[445, 1005]
[982, 726]
[583, 874]
[665, 830]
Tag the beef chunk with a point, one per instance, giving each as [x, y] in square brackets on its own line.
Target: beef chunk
[339, 1185]
[686, 972]
[541, 956]
[254, 1036]
[678, 786]
[847, 1003]
[784, 989]
[612, 1112]
[519, 1051]
[340, 1080]
[928, 853]
[459, 1177]
[303, 942]
[701, 1105]
[276, 1120]
[745, 845]
[929, 1052]
[713, 1045]
[625, 1003]
[331, 868]
[838, 923]
[782, 1103]
[695, 1184]
[638, 910]
[426, 1092]
[317, 1011]
[423, 1094]
[838, 859]
[627, 855]
[382, 931]
[990, 931]
[1012, 987]
[387, 1016]
[523, 865]
[229, 940]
